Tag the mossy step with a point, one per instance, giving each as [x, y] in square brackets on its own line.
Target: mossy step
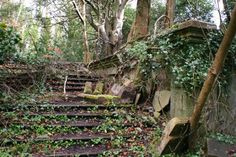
[99, 96]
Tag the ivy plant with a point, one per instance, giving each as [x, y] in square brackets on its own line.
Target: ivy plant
[189, 60]
[148, 64]
[9, 42]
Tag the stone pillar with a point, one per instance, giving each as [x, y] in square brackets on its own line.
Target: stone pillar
[181, 103]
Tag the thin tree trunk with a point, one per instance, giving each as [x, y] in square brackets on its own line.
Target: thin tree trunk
[87, 55]
[170, 13]
[81, 12]
[140, 26]
[213, 74]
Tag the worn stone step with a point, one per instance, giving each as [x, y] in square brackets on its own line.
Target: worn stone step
[60, 83]
[71, 105]
[75, 150]
[69, 136]
[73, 80]
[91, 151]
[79, 123]
[88, 104]
[81, 114]
[68, 87]
[82, 79]
[82, 76]
[219, 149]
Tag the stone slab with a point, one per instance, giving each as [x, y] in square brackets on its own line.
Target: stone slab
[178, 126]
[99, 88]
[161, 100]
[88, 88]
[174, 138]
[117, 90]
[219, 149]
[170, 144]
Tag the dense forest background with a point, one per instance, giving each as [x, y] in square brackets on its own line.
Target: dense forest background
[66, 30]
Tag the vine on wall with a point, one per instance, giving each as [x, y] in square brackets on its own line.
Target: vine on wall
[187, 60]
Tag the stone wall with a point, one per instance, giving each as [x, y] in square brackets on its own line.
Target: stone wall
[220, 112]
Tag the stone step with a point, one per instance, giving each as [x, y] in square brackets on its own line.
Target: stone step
[75, 80]
[90, 151]
[60, 83]
[79, 123]
[82, 79]
[76, 151]
[70, 105]
[83, 76]
[71, 88]
[19, 114]
[219, 149]
[80, 114]
[68, 136]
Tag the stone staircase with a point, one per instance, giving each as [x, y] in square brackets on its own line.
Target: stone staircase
[71, 82]
[73, 126]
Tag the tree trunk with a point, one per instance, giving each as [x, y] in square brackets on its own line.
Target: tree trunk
[103, 40]
[87, 55]
[170, 13]
[140, 26]
[81, 12]
[212, 75]
[116, 34]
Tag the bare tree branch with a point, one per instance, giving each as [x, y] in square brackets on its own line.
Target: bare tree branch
[91, 21]
[78, 11]
[92, 5]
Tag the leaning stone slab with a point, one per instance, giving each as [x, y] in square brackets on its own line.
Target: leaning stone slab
[117, 89]
[127, 94]
[88, 88]
[170, 144]
[177, 126]
[174, 138]
[161, 100]
[219, 149]
[99, 88]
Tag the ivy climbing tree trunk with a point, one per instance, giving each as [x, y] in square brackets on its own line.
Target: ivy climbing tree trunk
[213, 74]
[140, 25]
